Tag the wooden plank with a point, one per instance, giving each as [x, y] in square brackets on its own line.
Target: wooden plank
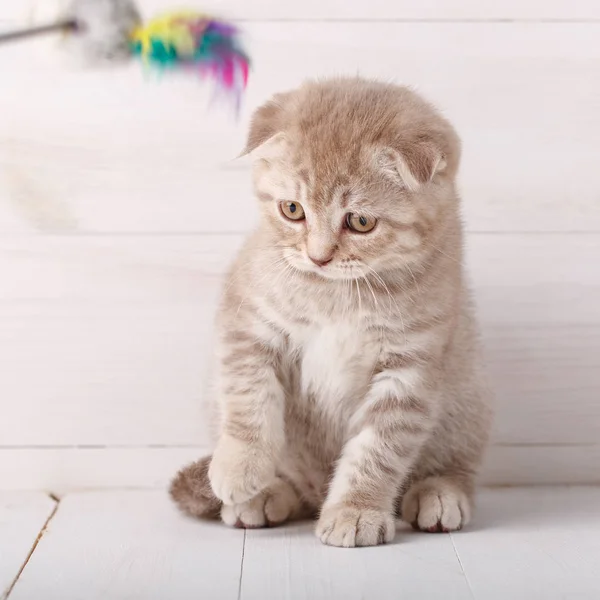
[528, 464]
[527, 278]
[22, 517]
[129, 321]
[91, 158]
[104, 374]
[546, 381]
[113, 334]
[131, 545]
[65, 469]
[116, 371]
[290, 563]
[534, 544]
[435, 10]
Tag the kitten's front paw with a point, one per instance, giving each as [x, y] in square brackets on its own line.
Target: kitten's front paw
[239, 471]
[347, 527]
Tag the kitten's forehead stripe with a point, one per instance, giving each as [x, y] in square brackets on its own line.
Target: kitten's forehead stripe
[298, 196]
[304, 175]
[265, 197]
[345, 198]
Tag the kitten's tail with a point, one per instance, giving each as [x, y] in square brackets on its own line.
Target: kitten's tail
[191, 491]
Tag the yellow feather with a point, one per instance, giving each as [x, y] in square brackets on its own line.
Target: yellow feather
[169, 30]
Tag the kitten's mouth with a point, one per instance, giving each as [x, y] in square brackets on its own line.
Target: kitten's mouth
[332, 271]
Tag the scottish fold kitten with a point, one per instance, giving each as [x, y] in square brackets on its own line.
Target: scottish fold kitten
[348, 383]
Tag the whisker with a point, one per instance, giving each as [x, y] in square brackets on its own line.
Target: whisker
[349, 290]
[372, 291]
[383, 283]
[413, 278]
[268, 270]
[235, 278]
[391, 299]
[358, 292]
[445, 254]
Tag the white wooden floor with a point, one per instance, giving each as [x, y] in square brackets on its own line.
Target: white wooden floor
[524, 544]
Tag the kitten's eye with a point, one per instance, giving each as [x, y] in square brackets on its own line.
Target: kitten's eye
[292, 211]
[360, 223]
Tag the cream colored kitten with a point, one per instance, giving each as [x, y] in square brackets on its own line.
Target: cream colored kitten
[348, 362]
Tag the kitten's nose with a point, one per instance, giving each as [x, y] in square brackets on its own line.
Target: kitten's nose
[321, 262]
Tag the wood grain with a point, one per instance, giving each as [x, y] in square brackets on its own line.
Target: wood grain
[533, 544]
[538, 543]
[291, 563]
[131, 545]
[22, 518]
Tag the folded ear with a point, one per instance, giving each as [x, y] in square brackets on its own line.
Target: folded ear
[415, 163]
[267, 121]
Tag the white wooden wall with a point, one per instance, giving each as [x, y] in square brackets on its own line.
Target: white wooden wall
[120, 205]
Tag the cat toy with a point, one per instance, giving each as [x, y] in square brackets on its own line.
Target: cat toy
[187, 41]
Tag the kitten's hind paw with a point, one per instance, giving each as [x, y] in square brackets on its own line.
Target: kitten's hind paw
[347, 526]
[272, 507]
[436, 504]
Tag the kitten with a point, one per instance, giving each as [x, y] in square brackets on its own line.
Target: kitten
[348, 379]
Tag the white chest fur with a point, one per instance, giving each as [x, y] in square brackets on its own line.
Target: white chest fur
[336, 361]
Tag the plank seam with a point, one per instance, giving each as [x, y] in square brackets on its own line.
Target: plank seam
[462, 568]
[39, 537]
[239, 596]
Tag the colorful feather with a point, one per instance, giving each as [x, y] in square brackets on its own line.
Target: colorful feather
[195, 41]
